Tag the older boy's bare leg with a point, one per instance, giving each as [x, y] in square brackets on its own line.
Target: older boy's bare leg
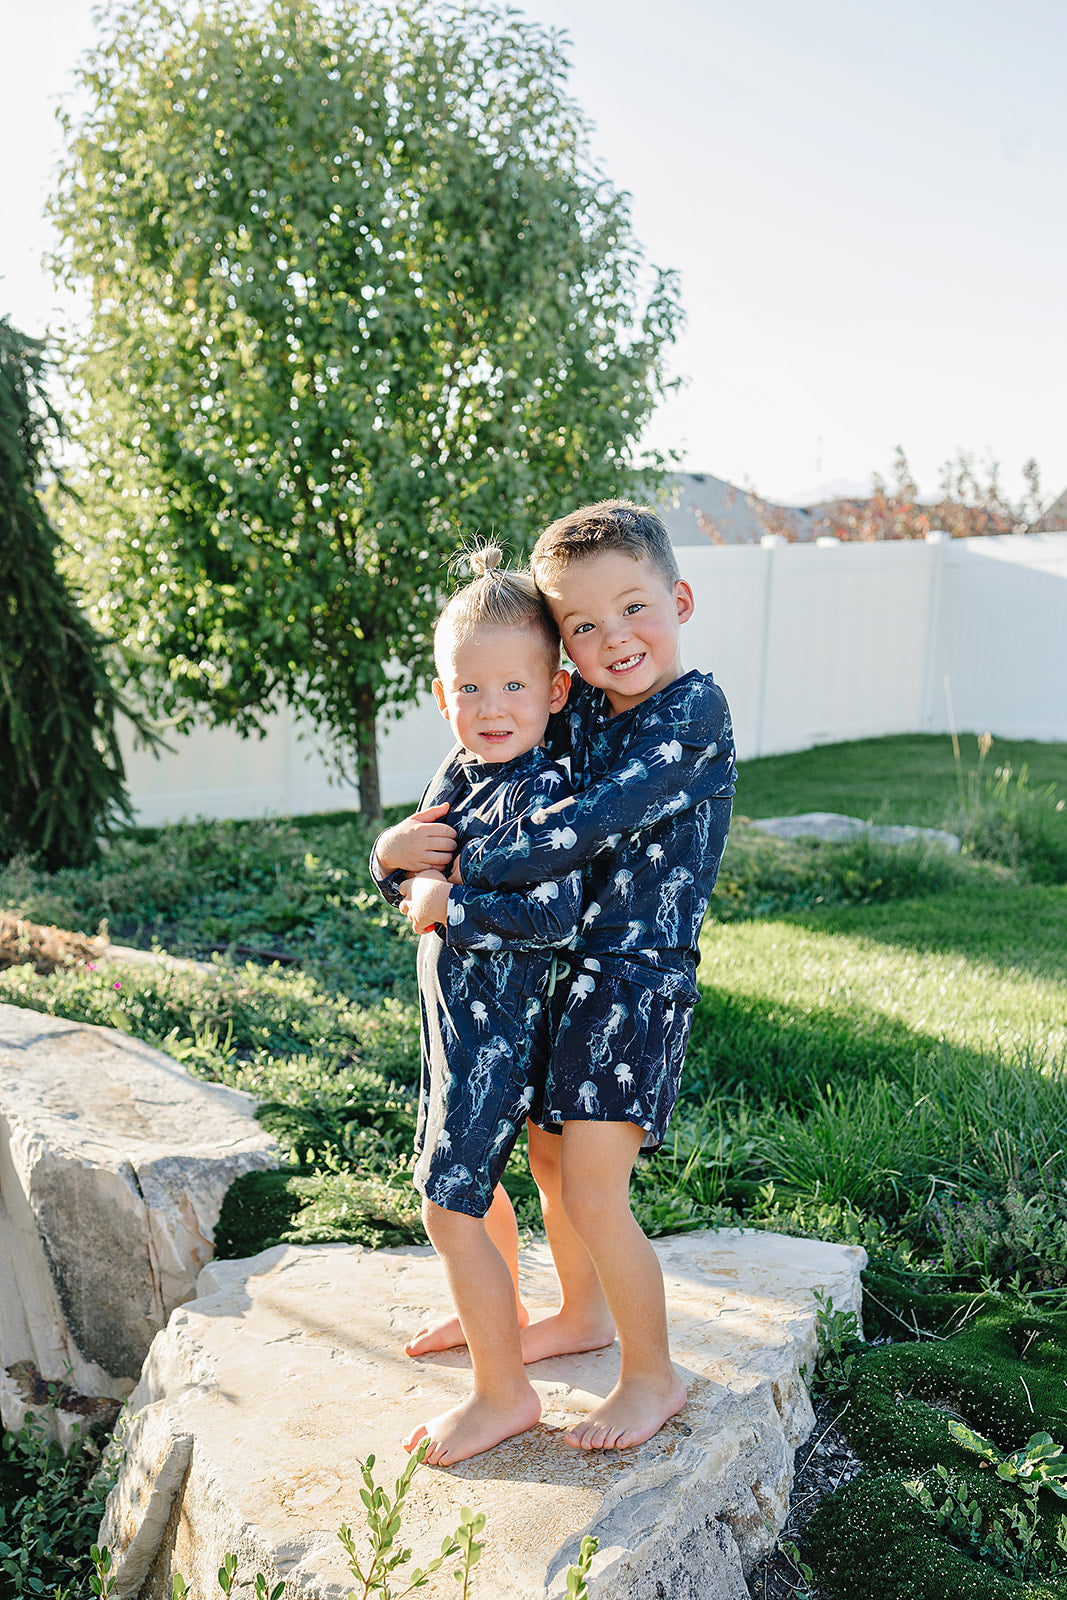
[503, 1230]
[597, 1158]
[502, 1402]
[583, 1321]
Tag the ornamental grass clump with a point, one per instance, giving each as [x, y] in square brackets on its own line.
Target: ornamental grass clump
[1002, 819]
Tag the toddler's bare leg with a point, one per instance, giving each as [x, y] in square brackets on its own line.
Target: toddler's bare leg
[502, 1228]
[503, 1402]
[597, 1158]
[583, 1321]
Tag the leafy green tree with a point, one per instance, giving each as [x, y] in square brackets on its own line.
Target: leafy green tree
[61, 772]
[357, 294]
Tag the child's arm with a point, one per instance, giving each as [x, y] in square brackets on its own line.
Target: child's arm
[545, 916]
[421, 842]
[539, 912]
[666, 770]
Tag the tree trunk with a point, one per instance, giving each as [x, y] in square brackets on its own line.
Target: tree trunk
[370, 799]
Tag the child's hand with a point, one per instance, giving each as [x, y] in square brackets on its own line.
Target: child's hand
[426, 902]
[418, 843]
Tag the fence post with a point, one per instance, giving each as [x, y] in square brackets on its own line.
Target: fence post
[770, 543]
[938, 538]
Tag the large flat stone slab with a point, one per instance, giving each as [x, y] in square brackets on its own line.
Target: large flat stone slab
[288, 1368]
[113, 1165]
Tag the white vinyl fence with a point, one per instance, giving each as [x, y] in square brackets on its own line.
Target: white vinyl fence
[812, 644]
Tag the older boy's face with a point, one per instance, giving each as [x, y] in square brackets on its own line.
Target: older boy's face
[620, 620]
[497, 689]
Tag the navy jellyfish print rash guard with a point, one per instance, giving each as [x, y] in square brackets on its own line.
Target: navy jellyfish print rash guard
[646, 826]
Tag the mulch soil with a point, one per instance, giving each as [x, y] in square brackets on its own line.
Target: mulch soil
[823, 1463]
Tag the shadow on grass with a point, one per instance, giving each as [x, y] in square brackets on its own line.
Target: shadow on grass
[758, 1047]
[859, 1109]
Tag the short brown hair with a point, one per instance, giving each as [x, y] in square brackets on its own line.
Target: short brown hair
[497, 598]
[609, 525]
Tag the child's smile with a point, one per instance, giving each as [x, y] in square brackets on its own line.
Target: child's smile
[619, 619]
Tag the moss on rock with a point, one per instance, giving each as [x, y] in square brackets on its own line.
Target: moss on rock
[1003, 1374]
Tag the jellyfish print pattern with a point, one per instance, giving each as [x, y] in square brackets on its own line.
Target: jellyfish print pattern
[668, 913]
[587, 1098]
[449, 1185]
[669, 806]
[505, 1131]
[500, 973]
[644, 1008]
[445, 1089]
[458, 982]
[600, 1052]
[480, 1077]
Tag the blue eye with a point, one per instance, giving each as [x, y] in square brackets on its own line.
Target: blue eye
[514, 684]
[468, 688]
[582, 627]
[635, 605]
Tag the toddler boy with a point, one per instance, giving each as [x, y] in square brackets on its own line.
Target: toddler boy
[484, 965]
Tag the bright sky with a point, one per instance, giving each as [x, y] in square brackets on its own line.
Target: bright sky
[866, 202]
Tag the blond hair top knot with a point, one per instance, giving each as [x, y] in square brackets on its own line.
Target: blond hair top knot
[485, 559]
[497, 597]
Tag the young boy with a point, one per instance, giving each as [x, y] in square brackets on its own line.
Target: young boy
[484, 967]
[652, 757]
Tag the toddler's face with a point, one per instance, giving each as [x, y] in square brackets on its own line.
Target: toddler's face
[497, 689]
[619, 620]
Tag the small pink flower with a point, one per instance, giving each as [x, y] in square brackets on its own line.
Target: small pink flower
[116, 985]
[90, 966]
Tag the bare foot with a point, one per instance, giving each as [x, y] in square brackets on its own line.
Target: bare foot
[446, 1335]
[563, 1335]
[476, 1424]
[632, 1413]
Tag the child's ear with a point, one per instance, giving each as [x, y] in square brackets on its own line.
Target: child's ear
[439, 695]
[561, 688]
[683, 599]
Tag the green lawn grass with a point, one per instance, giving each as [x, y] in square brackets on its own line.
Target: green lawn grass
[904, 778]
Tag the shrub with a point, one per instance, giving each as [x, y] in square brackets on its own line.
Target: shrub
[1003, 1237]
[50, 1508]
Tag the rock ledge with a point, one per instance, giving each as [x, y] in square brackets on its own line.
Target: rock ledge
[261, 1396]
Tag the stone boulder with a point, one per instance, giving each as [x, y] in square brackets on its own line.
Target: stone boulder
[259, 1400]
[834, 828]
[113, 1165]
